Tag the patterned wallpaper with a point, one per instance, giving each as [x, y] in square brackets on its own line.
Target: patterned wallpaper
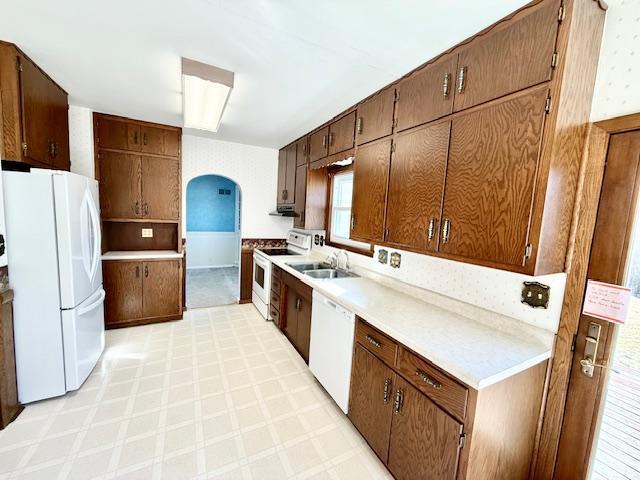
[617, 89]
[81, 141]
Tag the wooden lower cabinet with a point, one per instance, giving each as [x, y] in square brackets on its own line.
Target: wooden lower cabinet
[295, 320]
[424, 424]
[10, 408]
[139, 292]
[246, 275]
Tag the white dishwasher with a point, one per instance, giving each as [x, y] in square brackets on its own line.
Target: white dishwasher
[331, 348]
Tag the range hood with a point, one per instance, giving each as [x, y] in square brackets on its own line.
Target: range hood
[284, 211]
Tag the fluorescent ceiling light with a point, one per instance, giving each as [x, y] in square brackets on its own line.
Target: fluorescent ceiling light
[205, 91]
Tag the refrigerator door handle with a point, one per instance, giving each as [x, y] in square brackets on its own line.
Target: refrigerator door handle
[92, 236]
[93, 305]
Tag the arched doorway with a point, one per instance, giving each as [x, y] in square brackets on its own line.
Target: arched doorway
[213, 241]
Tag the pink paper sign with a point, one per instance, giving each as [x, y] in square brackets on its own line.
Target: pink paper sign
[607, 302]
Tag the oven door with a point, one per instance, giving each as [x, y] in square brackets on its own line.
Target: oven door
[261, 277]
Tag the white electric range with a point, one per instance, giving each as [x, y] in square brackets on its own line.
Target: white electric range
[298, 243]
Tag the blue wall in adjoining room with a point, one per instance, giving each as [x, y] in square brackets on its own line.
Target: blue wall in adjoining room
[207, 209]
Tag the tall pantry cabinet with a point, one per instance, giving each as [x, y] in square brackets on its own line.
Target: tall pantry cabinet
[139, 172]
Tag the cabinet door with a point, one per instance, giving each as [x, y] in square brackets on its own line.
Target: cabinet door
[303, 335]
[301, 196]
[160, 188]
[370, 175]
[291, 315]
[123, 288]
[508, 59]
[120, 185]
[371, 400]
[425, 441]
[302, 147]
[290, 179]
[416, 183]
[117, 134]
[427, 94]
[59, 125]
[342, 134]
[491, 171]
[318, 147]
[152, 140]
[172, 141]
[36, 109]
[375, 117]
[282, 175]
[162, 286]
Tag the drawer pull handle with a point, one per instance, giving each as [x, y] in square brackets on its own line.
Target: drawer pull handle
[397, 404]
[427, 379]
[373, 341]
[387, 388]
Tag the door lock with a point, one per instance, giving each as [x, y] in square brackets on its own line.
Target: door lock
[588, 362]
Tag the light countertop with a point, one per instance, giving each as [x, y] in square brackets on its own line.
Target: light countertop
[141, 255]
[473, 352]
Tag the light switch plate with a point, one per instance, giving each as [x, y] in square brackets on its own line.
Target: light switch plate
[394, 259]
[383, 256]
[147, 233]
[535, 294]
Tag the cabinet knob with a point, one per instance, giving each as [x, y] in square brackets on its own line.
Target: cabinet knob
[324, 141]
[397, 404]
[137, 208]
[353, 222]
[431, 229]
[359, 125]
[446, 85]
[146, 208]
[137, 271]
[462, 79]
[387, 391]
[146, 271]
[446, 230]
[427, 379]
[144, 138]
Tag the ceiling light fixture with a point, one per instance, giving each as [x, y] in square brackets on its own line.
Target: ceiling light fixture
[205, 91]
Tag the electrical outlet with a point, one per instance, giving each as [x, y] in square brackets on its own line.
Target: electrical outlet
[535, 294]
[147, 233]
[394, 260]
[383, 256]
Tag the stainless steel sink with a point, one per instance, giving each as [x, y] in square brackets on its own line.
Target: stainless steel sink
[329, 273]
[303, 267]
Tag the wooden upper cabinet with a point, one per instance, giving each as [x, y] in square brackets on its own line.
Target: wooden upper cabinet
[161, 293]
[424, 439]
[416, 183]
[489, 187]
[302, 147]
[290, 179]
[370, 175]
[318, 144]
[375, 117]
[427, 94]
[152, 140]
[120, 179]
[508, 58]
[282, 175]
[371, 400]
[172, 142]
[301, 196]
[160, 188]
[117, 134]
[59, 123]
[123, 287]
[342, 134]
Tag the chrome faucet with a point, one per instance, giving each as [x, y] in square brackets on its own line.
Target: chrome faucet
[333, 260]
[347, 265]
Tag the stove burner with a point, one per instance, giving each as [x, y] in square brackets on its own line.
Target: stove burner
[277, 251]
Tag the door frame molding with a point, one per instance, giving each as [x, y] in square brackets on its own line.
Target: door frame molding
[576, 265]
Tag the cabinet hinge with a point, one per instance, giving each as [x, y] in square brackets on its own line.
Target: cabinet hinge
[561, 13]
[554, 60]
[547, 105]
[527, 251]
[463, 440]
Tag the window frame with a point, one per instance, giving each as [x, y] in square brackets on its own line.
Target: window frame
[352, 246]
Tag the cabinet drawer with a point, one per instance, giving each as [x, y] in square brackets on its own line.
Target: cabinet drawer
[376, 342]
[275, 299]
[275, 314]
[275, 284]
[443, 390]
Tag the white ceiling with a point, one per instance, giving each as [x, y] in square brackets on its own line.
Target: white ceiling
[296, 62]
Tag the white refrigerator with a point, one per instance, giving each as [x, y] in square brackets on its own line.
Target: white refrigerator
[53, 246]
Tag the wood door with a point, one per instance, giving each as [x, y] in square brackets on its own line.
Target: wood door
[59, 125]
[160, 188]
[370, 176]
[152, 140]
[342, 134]
[427, 94]
[612, 260]
[301, 196]
[282, 175]
[291, 314]
[246, 275]
[508, 59]
[290, 178]
[318, 144]
[120, 185]
[35, 90]
[162, 286]
[371, 400]
[375, 117]
[425, 441]
[123, 286]
[416, 184]
[117, 134]
[302, 147]
[303, 335]
[10, 407]
[493, 156]
[172, 142]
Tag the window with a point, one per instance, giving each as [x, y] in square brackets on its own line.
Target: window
[340, 221]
